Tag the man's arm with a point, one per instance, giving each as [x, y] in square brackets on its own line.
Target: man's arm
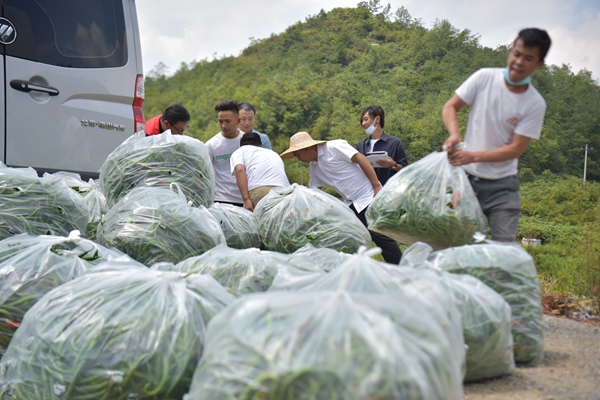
[397, 156]
[450, 119]
[512, 150]
[459, 157]
[368, 170]
[242, 182]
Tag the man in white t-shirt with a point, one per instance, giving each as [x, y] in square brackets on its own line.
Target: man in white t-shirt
[341, 167]
[257, 170]
[506, 113]
[221, 147]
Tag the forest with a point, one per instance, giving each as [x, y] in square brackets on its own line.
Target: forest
[319, 74]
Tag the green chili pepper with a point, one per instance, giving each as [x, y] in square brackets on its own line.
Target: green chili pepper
[290, 218]
[39, 206]
[31, 266]
[153, 224]
[511, 272]
[326, 346]
[238, 224]
[99, 337]
[429, 201]
[159, 160]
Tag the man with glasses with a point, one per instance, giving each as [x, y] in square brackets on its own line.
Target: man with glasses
[175, 118]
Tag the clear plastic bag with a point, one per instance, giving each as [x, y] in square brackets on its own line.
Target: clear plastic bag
[487, 323]
[159, 160]
[122, 331]
[289, 218]
[510, 271]
[154, 224]
[323, 258]
[238, 224]
[39, 206]
[73, 180]
[429, 201]
[98, 207]
[325, 345]
[306, 265]
[31, 266]
[363, 274]
[239, 271]
[486, 318]
[93, 196]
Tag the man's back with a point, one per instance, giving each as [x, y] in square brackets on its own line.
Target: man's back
[264, 167]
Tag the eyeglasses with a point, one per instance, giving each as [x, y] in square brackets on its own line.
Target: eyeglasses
[176, 129]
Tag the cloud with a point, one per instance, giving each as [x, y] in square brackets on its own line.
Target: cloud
[578, 47]
[573, 28]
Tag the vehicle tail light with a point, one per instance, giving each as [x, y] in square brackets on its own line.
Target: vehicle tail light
[138, 101]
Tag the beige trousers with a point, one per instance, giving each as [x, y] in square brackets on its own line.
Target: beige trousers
[258, 193]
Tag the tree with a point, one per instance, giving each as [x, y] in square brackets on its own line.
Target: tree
[160, 70]
[372, 5]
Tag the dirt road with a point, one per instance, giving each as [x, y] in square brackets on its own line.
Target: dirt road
[570, 369]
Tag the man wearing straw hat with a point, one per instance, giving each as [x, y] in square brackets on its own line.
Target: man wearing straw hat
[340, 166]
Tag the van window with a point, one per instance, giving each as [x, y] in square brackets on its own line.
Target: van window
[68, 33]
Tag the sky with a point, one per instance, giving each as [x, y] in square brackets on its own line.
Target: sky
[192, 30]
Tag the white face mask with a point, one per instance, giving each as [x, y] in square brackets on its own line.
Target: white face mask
[370, 130]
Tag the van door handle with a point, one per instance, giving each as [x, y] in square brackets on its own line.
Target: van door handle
[25, 86]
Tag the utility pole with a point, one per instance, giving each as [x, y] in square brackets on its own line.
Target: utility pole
[585, 162]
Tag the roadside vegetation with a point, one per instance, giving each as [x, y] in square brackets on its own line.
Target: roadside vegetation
[565, 215]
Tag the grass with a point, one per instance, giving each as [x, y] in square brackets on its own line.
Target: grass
[571, 267]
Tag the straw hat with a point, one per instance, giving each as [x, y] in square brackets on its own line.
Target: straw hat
[299, 141]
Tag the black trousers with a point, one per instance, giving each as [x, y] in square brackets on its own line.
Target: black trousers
[233, 204]
[389, 247]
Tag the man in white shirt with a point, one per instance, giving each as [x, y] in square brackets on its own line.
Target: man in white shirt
[221, 147]
[340, 166]
[506, 113]
[257, 170]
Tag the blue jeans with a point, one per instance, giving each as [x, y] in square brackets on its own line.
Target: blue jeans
[500, 200]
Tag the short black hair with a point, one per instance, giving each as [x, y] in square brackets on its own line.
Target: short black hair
[251, 138]
[534, 37]
[374, 111]
[175, 113]
[247, 107]
[228, 105]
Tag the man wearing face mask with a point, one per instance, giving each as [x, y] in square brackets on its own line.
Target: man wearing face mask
[506, 113]
[372, 120]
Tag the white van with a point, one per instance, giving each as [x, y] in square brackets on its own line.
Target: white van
[73, 82]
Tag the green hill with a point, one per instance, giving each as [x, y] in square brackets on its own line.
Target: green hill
[319, 74]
